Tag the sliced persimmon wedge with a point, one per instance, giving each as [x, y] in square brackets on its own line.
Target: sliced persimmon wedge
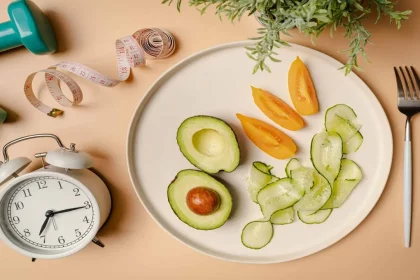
[268, 138]
[301, 89]
[277, 110]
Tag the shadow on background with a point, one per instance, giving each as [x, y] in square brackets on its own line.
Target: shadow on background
[60, 30]
[12, 116]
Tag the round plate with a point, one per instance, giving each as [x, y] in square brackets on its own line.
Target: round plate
[217, 82]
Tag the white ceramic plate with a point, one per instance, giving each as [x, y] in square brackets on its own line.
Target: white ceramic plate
[217, 82]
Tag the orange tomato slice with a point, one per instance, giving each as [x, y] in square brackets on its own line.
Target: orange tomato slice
[301, 89]
[268, 138]
[277, 110]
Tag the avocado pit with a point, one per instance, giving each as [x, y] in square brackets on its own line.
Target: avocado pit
[203, 200]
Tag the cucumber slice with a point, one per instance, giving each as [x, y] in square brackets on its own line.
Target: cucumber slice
[292, 164]
[278, 195]
[326, 154]
[353, 144]
[283, 217]
[303, 178]
[316, 218]
[260, 176]
[343, 111]
[349, 176]
[262, 167]
[343, 127]
[316, 197]
[342, 119]
[257, 234]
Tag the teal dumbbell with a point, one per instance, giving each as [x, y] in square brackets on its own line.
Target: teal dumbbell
[29, 27]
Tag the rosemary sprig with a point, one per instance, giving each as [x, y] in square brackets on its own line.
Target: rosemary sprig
[311, 17]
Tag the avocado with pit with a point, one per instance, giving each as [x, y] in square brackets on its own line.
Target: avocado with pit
[199, 200]
[209, 144]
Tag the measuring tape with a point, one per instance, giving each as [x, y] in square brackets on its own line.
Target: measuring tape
[132, 51]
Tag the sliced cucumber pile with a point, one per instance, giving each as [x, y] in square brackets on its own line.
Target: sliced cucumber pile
[316, 197]
[312, 192]
[257, 234]
[353, 144]
[303, 178]
[343, 120]
[283, 216]
[315, 218]
[326, 154]
[291, 165]
[259, 177]
[349, 176]
[277, 196]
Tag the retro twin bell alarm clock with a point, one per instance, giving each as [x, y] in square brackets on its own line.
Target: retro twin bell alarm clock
[55, 211]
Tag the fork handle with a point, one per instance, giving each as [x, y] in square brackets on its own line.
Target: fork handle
[407, 185]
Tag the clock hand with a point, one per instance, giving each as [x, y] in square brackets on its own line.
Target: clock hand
[67, 210]
[49, 214]
[54, 223]
[44, 225]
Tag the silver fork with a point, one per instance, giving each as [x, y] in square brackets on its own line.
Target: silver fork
[409, 105]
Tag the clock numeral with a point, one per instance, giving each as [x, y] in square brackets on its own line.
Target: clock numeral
[16, 220]
[19, 205]
[61, 240]
[27, 232]
[76, 192]
[42, 184]
[59, 183]
[77, 232]
[88, 205]
[27, 192]
[42, 236]
[86, 220]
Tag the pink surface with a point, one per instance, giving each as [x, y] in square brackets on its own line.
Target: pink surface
[136, 247]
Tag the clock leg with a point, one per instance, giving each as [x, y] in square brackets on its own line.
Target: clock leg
[98, 242]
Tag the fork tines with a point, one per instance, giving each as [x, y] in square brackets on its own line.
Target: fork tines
[410, 88]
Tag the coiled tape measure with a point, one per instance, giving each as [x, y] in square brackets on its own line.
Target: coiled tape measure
[131, 51]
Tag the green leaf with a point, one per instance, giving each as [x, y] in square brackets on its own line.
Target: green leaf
[284, 43]
[274, 59]
[252, 11]
[256, 67]
[265, 67]
[251, 57]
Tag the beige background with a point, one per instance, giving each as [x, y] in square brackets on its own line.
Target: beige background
[136, 247]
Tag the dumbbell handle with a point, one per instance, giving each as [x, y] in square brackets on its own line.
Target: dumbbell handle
[9, 38]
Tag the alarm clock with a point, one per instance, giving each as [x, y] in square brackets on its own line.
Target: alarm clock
[55, 211]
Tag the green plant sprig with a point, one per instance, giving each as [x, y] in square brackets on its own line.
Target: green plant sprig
[311, 17]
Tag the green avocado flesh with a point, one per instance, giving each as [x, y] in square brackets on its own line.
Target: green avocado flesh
[177, 194]
[209, 144]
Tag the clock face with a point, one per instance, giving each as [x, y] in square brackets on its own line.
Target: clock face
[48, 212]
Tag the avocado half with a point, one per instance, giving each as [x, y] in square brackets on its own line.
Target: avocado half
[186, 180]
[209, 144]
